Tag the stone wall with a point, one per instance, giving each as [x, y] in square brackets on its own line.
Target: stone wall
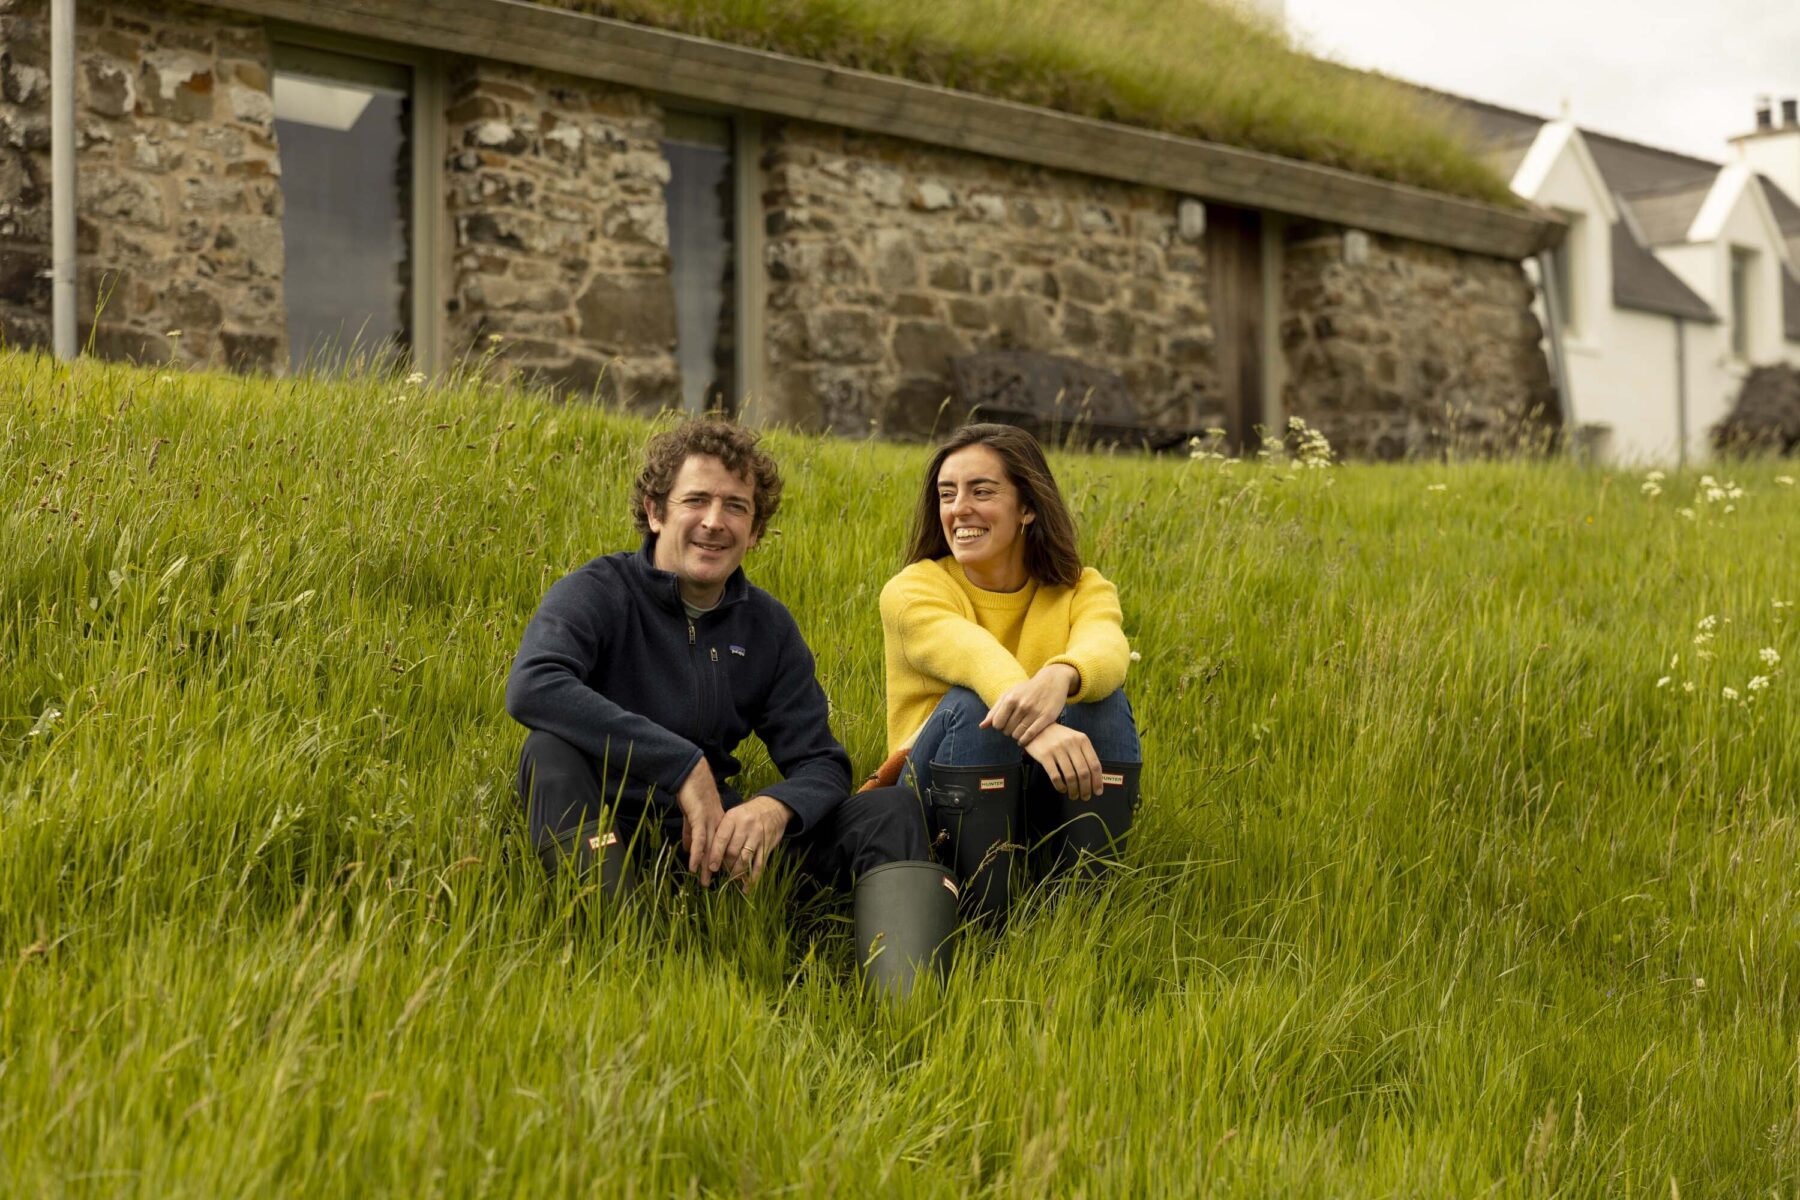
[179, 205]
[1399, 349]
[887, 259]
[561, 239]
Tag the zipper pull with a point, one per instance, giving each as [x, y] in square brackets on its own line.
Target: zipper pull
[690, 631]
[714, 651]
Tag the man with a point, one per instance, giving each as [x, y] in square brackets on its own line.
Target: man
[641, 672]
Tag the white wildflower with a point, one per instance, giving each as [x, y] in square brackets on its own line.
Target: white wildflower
[1785, 480]
[1730, 693]
[1686, 512]
[1674, 661]
[1699, 984]
[1656, 477]
[1663, 682]
[416, 378]
[1688, 686]
[1707, 481]
[1708, 623]
[1136, 657]
[1770, 656]
[1436, 487]
[1758, 683]
[1651, 488]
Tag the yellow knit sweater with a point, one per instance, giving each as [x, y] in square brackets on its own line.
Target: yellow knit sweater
[942, 631]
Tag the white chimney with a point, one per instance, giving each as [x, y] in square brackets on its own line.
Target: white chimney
[1772, 147]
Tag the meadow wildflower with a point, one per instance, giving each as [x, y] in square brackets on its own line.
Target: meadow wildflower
[1730, 693]
[1664, 681]
[1770, 656]
[1688, 686]
[1651, 488]
[1757, 683]
[1686, 512]
[1436, 487]
[416, 378]
[1785, 480]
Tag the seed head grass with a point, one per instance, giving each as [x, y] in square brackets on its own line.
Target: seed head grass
[1434, 890]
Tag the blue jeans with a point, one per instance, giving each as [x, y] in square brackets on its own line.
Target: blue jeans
[953, 736]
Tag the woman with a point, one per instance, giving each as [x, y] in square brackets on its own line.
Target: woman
[1005, 666]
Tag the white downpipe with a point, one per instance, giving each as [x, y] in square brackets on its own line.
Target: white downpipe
[62, 178]
[1559, 368]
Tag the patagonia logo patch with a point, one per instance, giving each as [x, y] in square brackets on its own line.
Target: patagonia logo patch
[950, 886]
[994, 785]
[609, 838]
[1111, 780]
[739, 651]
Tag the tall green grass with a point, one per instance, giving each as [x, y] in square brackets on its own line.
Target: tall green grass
[1435, 892]
[1203, 68]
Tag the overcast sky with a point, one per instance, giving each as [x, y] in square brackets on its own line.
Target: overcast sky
[1682, 74]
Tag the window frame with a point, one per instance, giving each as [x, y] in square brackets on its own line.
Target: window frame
[749, 273]
[1740, 284]
[430, 251]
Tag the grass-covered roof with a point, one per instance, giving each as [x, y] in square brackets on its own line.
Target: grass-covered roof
[1192, 67]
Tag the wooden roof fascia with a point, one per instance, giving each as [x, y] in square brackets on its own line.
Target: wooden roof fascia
[738, 77]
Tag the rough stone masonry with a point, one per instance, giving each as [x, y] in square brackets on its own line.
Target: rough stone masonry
[179, 198]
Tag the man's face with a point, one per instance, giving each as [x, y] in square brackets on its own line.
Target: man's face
[704, 528]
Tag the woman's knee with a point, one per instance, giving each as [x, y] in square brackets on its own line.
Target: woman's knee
[1110, 724]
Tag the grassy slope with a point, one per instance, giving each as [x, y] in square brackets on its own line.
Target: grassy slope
[1428, 879]
[1198, 68]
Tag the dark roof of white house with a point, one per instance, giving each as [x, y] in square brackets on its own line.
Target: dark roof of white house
[1640, 281]
[1661, 189]
[1787, 217]
[1664, 215]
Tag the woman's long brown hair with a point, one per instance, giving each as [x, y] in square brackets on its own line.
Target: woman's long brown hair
[1051, 555]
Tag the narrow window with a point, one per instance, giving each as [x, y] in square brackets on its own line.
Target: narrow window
[344, 125]
[1566, 279]
[701, 200]
[1743, 263]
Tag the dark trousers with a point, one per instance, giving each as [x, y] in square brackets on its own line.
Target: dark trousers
[564, 789]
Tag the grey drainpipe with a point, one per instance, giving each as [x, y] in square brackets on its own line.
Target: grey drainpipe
[1565, 406]
[1681, 397]
[62, 178]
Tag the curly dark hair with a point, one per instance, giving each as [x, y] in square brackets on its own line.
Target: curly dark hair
[720, 438]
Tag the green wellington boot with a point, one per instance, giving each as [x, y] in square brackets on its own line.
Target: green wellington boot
[980, 811]
[904, 916]
[1080, 835]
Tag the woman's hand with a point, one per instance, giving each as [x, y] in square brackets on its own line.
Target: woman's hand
[1068, 758]
[1025, 710]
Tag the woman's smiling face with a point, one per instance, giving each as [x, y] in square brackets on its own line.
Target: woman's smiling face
[983, 519]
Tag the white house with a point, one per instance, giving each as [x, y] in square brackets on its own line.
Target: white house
[1677, 277]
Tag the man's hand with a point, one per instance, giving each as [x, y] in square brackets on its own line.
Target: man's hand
[1068, 758]
[701, 816]
[744, 838]
[1025, 710]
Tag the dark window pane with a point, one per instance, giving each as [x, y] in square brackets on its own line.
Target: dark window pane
[347, 201]
[699, 196]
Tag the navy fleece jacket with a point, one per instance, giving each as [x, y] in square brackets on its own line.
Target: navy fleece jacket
[612, 664]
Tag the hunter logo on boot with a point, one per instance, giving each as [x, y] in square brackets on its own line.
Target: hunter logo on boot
[1111, 780]
[994, 785]
[602, 839]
